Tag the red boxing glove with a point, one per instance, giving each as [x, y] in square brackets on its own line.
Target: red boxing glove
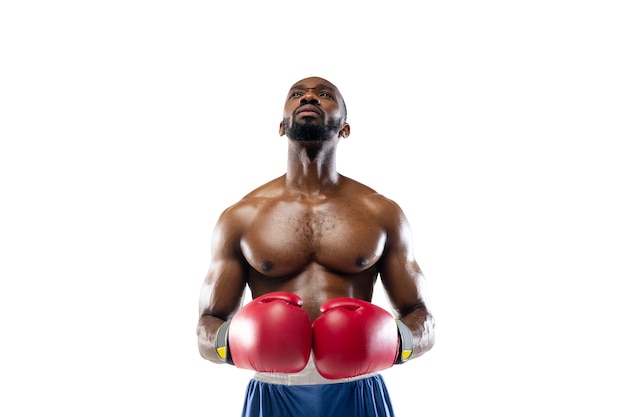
[353, 337]
[272, 333]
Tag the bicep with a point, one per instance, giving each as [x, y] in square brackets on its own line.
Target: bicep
[223, 289]
[224, 285]
[400, 273]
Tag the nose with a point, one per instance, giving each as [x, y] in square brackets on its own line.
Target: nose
[309, 98]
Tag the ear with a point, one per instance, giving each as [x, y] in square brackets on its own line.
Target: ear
[281, 129]
[345, 131]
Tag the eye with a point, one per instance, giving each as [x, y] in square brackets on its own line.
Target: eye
[326, 94]
[296, 94]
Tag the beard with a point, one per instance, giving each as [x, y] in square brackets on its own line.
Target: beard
[309, 132]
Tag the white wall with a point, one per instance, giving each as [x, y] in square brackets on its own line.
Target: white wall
[127, 126]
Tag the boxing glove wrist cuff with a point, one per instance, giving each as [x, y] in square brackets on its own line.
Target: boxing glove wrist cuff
[406, 342]
[221, 343]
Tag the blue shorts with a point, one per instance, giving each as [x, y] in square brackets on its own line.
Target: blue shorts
[366, 397]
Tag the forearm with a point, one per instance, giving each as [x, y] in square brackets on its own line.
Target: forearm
[422, 326]
[207, 333]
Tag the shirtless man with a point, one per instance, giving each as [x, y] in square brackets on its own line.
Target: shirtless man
[310, 246]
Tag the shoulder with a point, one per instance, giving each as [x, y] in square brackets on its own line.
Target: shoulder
[381, 210]
[271, 189]
[376, 203]
[250, 204]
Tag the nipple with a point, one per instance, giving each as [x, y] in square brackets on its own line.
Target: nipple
[266, 266]
[361, 262]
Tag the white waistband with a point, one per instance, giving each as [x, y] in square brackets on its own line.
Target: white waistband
[308, 376]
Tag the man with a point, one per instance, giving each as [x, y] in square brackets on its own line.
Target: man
[310, 246]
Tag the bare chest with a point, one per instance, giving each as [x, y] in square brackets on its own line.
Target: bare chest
[285, 237]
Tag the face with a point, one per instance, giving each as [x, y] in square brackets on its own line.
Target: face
[314, 112]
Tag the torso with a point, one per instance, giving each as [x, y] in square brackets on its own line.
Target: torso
[317, 247]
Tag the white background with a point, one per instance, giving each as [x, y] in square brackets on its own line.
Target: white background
[128, 126]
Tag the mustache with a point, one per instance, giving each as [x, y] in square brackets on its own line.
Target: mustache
[309, 107]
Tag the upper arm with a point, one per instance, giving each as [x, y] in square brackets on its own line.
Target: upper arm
[223, 288]
[400, 273]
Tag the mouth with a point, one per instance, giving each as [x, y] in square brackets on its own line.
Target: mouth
[308, 110]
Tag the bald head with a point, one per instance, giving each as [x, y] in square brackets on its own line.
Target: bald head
[314, 112]
[322, 84]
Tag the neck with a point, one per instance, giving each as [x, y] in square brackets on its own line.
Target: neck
[311, 167]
